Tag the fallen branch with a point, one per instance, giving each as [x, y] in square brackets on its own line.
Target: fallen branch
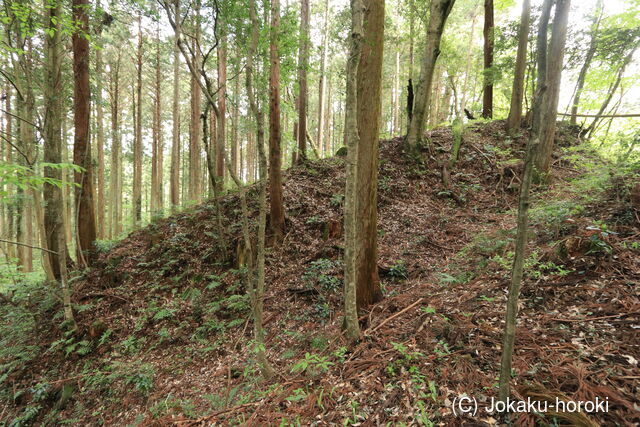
[587, 319]
[613, 116]
[390, 318]
[28, 246]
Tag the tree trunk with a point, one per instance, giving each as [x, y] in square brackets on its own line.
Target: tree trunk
[221, 136]
[322, 85]
[521, 243]
[276, 218]
[53, 208]
[174, 187]
[85, 217]
[257, 288]
[303, 65]
[235, 143]
[137, 140]
[612, 90]
[100, 202]
[11, 209]
[552, 93]
[487, 93]
[156, 154]
[115, 195]
[352, 139]
[369, 105]
[541, 44]
[517, 93]
[439, 11]
[597, 17]
[195, 166]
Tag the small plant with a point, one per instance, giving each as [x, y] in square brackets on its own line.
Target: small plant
[312, 364]
[399, 270]
[337, 200]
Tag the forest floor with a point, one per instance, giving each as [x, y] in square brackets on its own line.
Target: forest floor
[166, 336]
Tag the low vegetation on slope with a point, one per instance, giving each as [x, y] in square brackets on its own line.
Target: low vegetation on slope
[164, 334]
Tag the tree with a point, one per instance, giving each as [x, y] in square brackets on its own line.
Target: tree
[517, 93]
[137, 137]
[195, 171]
[439, 11]
[157, 144]
[53, 209]
[553, 76]
[174, 184]
[115, 174]
[322, 84]
[352, 139]
[303, 65]
[487, 92]
[276, 217]
[100, 182]
[369, 103]
[85, 217]
[221, 133]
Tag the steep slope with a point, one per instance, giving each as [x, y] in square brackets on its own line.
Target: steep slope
[166, 335]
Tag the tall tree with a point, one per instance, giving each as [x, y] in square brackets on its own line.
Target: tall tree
[439, 11]
[303, 65]
[115, 171]
[517, 93]
[100, 183]
[322, 84]
[174, 185]
[487, 92]
[369, 102]
[552, 83]
[352, 140]
[195, 167]
[137, 138]
[53, 208]
[85, 217]
[276, 217]
[157, 143]
[221, 132]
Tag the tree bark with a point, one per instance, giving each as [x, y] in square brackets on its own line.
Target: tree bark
[517, 93]
[52, 194]
[322, 84]
[100, 201]
[195, 166]
[552, 93]
[303, 65]
[488, 33]
[352, 141]
[439, 11]
[221, 137]
[276, 218]
[369, 105]
[174, 185]
[85, 217]
[137, 140]
[115, 174]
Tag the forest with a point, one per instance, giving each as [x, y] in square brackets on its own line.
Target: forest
[320, 212]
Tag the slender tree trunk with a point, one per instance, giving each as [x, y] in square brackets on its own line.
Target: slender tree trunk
[235, 143]
[396, 97]
[100, 214]
[156, 155]
[612, 90]
[137, 141]
[276, 223]
[369, 105]
[517, 93]
[221, 137]
[53, 207]
[303, 65]
[552, 93]
[322, 84]
[467, 68]
[174, 187]
[521, 243]
[541, 44]
[257, 288]
[439, 11]
[487, 94]
[587, 61]
[115, 203]
[195, 167]
[85, 217]
[352, 138]
[11, 208]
